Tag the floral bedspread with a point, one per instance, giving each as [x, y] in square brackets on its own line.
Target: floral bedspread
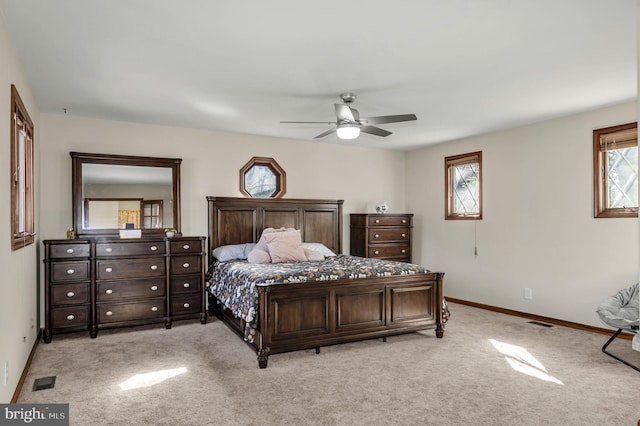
[234, 282]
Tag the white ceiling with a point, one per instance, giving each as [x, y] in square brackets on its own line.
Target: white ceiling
[464, 67]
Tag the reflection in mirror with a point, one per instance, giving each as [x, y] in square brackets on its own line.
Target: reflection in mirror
[113, 192]
[116, 195]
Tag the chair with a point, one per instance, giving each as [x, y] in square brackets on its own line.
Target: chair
[621, 311]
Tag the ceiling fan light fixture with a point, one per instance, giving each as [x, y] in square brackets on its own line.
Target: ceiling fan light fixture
[348, 131]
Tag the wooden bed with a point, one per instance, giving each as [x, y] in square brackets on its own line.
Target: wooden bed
[311, 315]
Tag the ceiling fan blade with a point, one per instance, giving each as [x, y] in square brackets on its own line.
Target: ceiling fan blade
[345, 113]
[373, 130]
[323, 134]
[390, 119]
[307, 122]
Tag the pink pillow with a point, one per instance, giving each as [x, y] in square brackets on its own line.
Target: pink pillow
[285, 246]
[313, 255]
[258, 256]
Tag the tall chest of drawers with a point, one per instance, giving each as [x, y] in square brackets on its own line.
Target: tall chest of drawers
[381, 236]
[107, 283]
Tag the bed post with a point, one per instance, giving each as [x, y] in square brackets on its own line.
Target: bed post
[263, 351]
[439, 307]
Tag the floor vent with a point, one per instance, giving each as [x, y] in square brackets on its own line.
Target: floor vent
[44, 383]
[540, 323]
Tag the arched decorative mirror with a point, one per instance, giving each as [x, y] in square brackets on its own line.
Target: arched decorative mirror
[262, 177]
[113, 192]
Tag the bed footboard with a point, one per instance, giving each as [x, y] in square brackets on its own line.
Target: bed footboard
[303, 316]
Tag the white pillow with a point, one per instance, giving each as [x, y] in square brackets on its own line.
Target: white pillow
[258, 256]
[326, 252]
[233, 251]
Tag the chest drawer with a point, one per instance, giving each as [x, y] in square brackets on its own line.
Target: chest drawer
[108, 249]
[386, 235]
[185, 246]
[120, 290]
[130, 268]
[389, 251]
[185, 304]
[66, 251]
[69, 294]
[70, 271]
[116, 312]
[186, 264]
[186, 284]
[388, 220]
[71, 317]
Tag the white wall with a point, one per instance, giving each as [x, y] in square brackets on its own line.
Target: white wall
[18, 285]
[211, 162]
[537, 230]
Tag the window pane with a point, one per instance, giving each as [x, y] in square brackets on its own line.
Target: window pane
[466, 188]
[21, 181]
[622, 178]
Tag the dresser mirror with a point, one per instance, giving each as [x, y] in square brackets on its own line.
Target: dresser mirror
[114, 192]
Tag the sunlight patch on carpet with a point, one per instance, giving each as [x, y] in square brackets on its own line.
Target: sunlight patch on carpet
[150, 379]
[523, 362]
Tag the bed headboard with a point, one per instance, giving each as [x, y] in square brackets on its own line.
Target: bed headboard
[242, 220]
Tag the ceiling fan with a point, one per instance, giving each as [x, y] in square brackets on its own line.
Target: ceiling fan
[349, 124]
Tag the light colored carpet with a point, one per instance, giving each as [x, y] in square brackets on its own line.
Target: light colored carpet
[489, 369]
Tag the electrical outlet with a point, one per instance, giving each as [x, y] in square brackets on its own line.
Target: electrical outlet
[6, 372]
[528, 293]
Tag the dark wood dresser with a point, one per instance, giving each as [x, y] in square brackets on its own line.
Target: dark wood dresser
[382, 236]
[92, 284]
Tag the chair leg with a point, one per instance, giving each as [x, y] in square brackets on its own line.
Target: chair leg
[611, 339]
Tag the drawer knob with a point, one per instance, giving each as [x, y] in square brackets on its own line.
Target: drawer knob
[108, 249]
[404, 220]
[71, 317]
[109, 291]
[186, 305]
[70, 271]
[376, 252]
[154, 267]
[154, 308]
[377, 220]
[185, 265]
[71, 294]
[186, 247]
[154, 248]
[69, 251]
[376, 236]
[186, 285]
[404, 235]
[108, 269]
[403, 251]
[154, 287]
[108, 313]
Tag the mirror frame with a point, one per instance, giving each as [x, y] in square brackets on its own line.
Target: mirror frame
[80, 158]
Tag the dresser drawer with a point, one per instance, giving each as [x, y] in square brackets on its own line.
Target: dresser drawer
[186, 264]
[389, 220]
[66, 251]
[69, 294]
[69, 271]
[109, 291]
[117, 312]
[186, 284]
[385, 235]
[182, 305]
[71, 317]
[130, 268]
[108, 249]
[391, 251]
[185, 246]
